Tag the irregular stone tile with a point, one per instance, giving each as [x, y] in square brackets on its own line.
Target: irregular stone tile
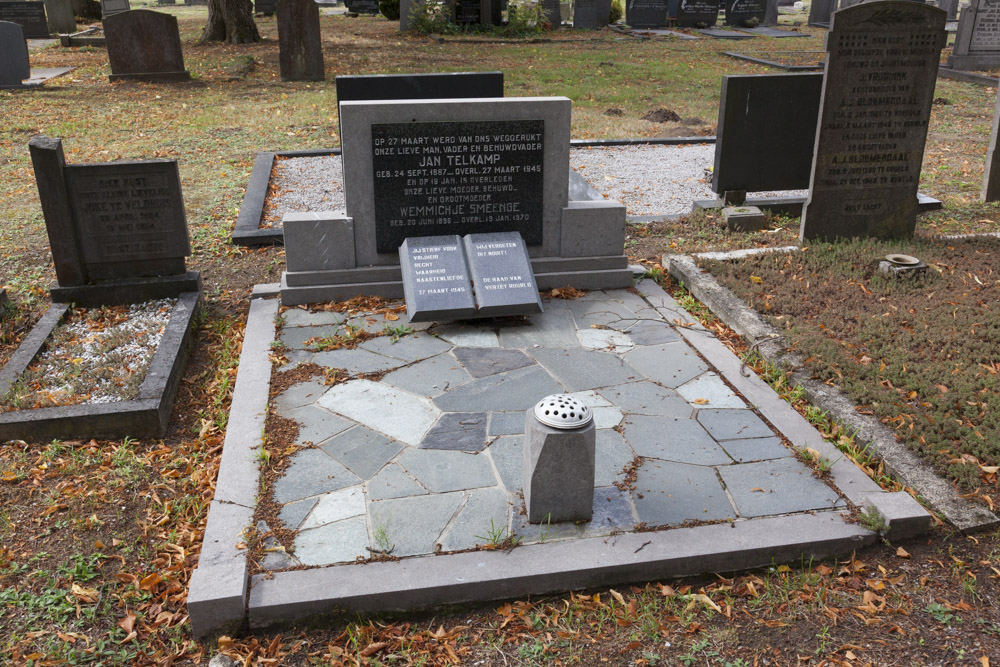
[612, 512]
[442, 471]
[311, 473]
[777, 487]
[294, 358]
[336, 506]
[274, 555]
[652, 333]
[410, 348]
[462, 431]
[545, 532]
[515, 390]
[591, 399]
[579, 369]
[710, 387]
[602, 312]
[632, 301]
[356, 361]
[553, 328]
[370, 323]
[341, 542]
[294, 338]
[732, 424]
[647, 398]
[607, 417]
[292, 514]
[396, 413]
[506, 423]
[430, 377]
[670, 364]
[668, 494]
[507, 455]
[604, 339]
[297, 317]
[393, 482]
[362, 450]
[297, 396]
[483, 361]
[756, 449]
[468, 335]
[612, 454]
[412, 525]
[679, 440]
[316, 425]
[484, 515]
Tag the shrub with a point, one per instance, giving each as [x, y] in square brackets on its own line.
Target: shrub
[617, 11]
[389, 9]
[431, 16]
[524, 19]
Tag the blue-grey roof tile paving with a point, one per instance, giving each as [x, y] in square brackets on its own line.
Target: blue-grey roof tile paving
[362, 450]
[462, 431]
[483, 361]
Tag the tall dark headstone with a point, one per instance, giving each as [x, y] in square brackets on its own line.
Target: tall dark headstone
[300, 46]
[144, 45]
[820, 12]
[112, 7]
[991, 175]
[552, 12]
[770, 13]
[60, 16]
[265, 7]
[591, 14]
[697, 13]
[646, 13]
[881, 67]
[741, 13]
[14, 66]
[29, 15]
[950, 6]
[977, 42]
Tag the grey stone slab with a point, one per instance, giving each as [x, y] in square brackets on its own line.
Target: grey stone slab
[612, 455]
[732, 424]
[468, 334]
[670, 364]
[553, 328]
[412, 347]
[515, 390]
[217, 597]
[777, 487]
[274, 555]
[756, 449]
[295, 338]
[300, 317]
[413, 525]
[398, 414]
[336, 506]
[484, 516]
[612, 511]
[483, 361]
[678, 440]
[393, 482]
[294, 358]
[668, 494]
[506, 453]
[362, 450]
[356, 361]
[311, 473]
[601, 312]
[293, 513]
[709, 391]
[578, 369]
[318, 241]
[604, 339]
[903, 516]
[430, 377]
[340, 542]
[316, 425]
[546, 531]
[297, 396]
[442, 471]
[647, 398]
[506, 423]
[462, 431]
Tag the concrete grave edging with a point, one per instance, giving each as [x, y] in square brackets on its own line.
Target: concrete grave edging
[899, 460]
[217, 594]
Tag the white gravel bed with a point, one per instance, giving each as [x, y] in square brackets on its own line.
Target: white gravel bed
[304, 184]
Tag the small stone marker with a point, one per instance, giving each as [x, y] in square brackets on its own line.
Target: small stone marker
[740, 13]
[14, 65]
[646, 13]
[744, 218]
[977, 42]
[300, 47]
[60, 16]
[991, 175]
[436, 281]
[697, 13]
[112, 7]
[879, 80]
[144, 45]
[29, 15]
[501, 274]
[591, 14]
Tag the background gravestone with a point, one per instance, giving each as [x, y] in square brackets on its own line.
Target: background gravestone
[698, 13]
[363, 6]
[881, 68]
[991, 176]
[300, 46]
[112, 7]
[265, 7]
[553, 12]
[820, 12]
[591, 14]
[740, 13]
[14, 65]
[29, 15]
[60, 16]
[144, 45]
[646, 13]
[977, 42]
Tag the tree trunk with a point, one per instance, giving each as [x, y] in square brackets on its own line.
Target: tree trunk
[230, 21]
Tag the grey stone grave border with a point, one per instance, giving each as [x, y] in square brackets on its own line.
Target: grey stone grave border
[142, 417]
[968, 77]
[900, 462]
[792, 206]
[223, 598]
[247, 230]
[771, 63]
[83, 38]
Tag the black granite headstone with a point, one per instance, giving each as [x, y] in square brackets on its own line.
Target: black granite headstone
[820, 12]
[501, 275]
[364, 6]
[591, 14]
[265, 7]
[468, 12]
[646, 13]
[459, 177]
[697, 13]
[766, 131]
[14, 66]
[29, 15]
[144, 45]
[878, 85]
[436, 281]
[300, 46]
[741, 13]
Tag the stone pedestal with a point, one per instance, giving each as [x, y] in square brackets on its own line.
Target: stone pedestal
[558, 471]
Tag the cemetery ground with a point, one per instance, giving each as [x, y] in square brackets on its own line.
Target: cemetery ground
[97, 539]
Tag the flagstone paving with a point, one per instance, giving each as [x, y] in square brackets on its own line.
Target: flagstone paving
[428, 458]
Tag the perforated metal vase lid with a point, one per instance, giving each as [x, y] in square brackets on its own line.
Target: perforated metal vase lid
[562, 411]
